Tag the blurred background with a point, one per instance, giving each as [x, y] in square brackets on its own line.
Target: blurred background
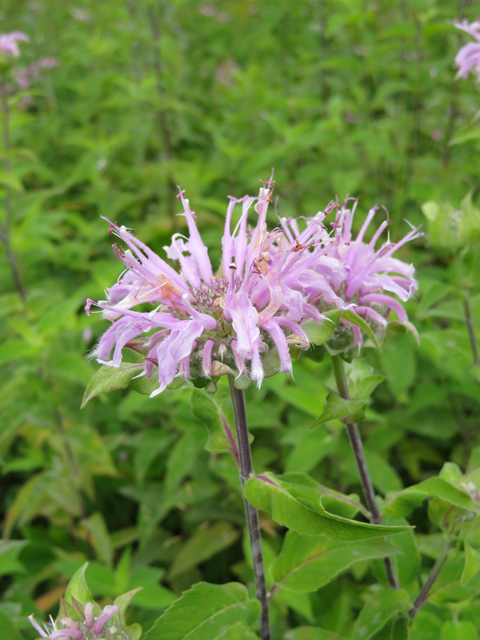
[341, 97]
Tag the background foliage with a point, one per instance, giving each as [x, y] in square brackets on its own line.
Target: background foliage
[342, 97]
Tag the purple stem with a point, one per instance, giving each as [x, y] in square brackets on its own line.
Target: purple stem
[357, 448]
[246, 470]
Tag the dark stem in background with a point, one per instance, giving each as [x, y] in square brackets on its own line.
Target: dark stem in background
[246, 469]
[471, 330]
[357, 447]
[162, 113]
[423, 595]
[5, 228]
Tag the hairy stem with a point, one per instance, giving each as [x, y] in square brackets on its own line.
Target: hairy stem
[423, 595]
[471, 330]
[5, 227]
[357, 448]
[246, 469]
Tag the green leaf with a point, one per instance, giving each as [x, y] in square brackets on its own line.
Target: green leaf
[78, 589]
[99, 537]
[402, 503]
[134, 631]
[204, 544]
[382, 607]
[334, 502]
[403, 327]
[205, 611]
[239, 631]
[10, 180]
[351, 316]
[110, 379]
[472, 564]
[338, 408]
[301, 603]
[206, 408]
[9, 550]
[7, 628]
[464, 135]
[16, 349]
[311, 633]
[145, 386]
[320, 333]
[300, 508]
[458, 631]
[307, 563]
[397, 628]
[363, 388]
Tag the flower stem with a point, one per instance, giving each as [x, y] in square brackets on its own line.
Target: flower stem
[423, 595]
[357, 448]
[246, 469]
[5, 228]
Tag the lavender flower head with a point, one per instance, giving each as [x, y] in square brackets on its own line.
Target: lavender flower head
[204, 324]
[468, 57]
[86, 626]
[371, 275]
[8, 44]
[361, 278]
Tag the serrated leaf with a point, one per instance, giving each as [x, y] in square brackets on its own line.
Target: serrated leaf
[318, 334]
[300, 508]
[204, 544]
[205, 611]
[221, 436]
[110, 379]
[351, 316]
[384, 605]
[400, 504]
[307, 563]
[472, 564]
[338, 408]
[78, 589]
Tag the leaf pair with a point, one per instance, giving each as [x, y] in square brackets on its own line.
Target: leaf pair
[300, 508]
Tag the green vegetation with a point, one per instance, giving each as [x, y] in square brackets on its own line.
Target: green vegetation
[348, 97]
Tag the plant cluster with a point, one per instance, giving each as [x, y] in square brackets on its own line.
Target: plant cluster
[104, 112]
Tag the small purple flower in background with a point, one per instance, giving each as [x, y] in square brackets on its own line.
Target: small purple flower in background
[89, 627]
[8, 43]
[26, 76]
[205, 324]
[468, 57]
